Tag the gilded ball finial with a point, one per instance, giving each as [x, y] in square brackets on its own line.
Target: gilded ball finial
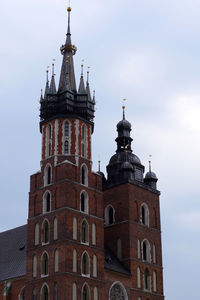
[69, 9]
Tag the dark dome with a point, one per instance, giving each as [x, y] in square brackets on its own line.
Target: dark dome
[126, 166]
[121, 157]
[150, 175]
[124, 124]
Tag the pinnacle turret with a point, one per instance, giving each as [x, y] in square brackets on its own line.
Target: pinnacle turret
[82, 89]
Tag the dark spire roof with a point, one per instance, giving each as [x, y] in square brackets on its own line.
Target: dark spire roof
[47, 85]
[82, 89]
[67, 76]
[88, 87]
[66, 102]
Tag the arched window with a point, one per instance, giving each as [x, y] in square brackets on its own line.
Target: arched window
[66, 129]
[93, 234]
[147, 280]
[154, 253]
[154, 282]
[45, 232]
[145, 214]
[56, 261]
[47, 174]
[85, 292]
[118, 291]
[34, 266]
[46, 202]
[66, 150]
[66, 138]
[74, 229]
[74, 260]
[55, 229]
[119, 249]
[94, 265]
[84, 141]
[109, 215]
[95, 293]
[37, 229]
[45, 264]
[84, 175]
[138, 278]
[55, 292]
[138, 249]
[146, 251]
[74, 291]
[34, 294]
[45, 292]
[49, 141]
[85, 264]
[84, 202]
[22, 294]
[85, 232]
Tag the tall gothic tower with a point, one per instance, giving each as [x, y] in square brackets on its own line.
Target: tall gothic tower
[89, 236]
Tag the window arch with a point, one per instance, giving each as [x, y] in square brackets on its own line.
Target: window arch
[74, 291]
[45, 264]
[147, 280]
[138, 278]
[46, 202]
[84, 175]
[37, 229]
[94, 266]
[85, 292]
[93, 234]
[55, 292]
[47, 174]
[49, 141]
[95, 293]
[56, 261]
[55, 229]
[74, 260]
[109, 215]
[34, 266]
[66, 137]
[22, 294]
[84, 202]
[85, 264]
[74, 228]
[146, 251]
[34, 294]
[145, 214]
[45, 232]
[118, 291]
[85, 232]
[45, 292]
[154, 281]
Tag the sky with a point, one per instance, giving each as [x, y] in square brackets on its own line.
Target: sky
[147, 51]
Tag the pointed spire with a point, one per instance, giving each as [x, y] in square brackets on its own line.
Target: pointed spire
[47, 84]
[94, 92]
[123, 107]
[41, 96]
[150, 156]
[82, 89]
[67, 69]
[52, 89]
[88, 86]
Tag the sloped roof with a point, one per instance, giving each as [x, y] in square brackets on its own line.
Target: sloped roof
[112, 263]
[13, 253]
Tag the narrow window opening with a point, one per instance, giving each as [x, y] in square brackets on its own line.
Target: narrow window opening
[45, 264]
[86, 293]
[49, 175]
[85, 232]
[85, 264]
[55, 296]
[83, 175]
[111, 215]
[83, 202]
[45, 293]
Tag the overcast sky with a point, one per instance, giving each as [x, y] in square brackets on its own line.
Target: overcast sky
[147, 51]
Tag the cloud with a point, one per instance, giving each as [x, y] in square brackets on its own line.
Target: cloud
[189, 221]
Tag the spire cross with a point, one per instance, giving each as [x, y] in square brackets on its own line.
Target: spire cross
[69, 10]
[150, 156]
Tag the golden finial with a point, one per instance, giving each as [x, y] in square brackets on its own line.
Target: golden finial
[69, 7]
[47, 71]
[123, 107]
[53, 64]
[88, 72]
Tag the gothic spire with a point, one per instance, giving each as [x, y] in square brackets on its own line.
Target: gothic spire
[81, 89]
[52, 89]
[67, 69]
[47, 85]
[88, 86]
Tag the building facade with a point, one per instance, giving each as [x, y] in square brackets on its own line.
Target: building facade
[88, 237]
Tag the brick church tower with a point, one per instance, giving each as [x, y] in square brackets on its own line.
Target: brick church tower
[88, 237]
